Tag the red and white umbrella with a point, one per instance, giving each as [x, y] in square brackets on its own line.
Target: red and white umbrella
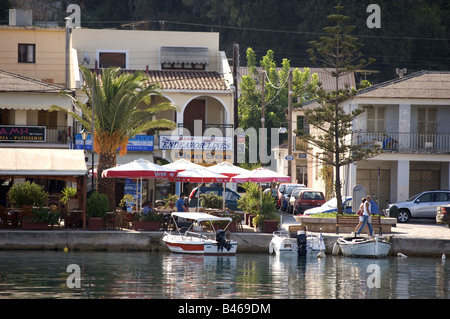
[202, 175]
[182, 165]
[261, 175]
[140, 168]
[228, 169]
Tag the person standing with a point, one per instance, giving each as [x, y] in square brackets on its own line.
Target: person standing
[360, 216]
[366, 217]
[181, 206]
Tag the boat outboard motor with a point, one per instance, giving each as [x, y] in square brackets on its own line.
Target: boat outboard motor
[301, 243]
[221, 241]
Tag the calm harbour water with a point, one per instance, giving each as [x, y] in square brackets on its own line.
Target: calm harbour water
[141, 275]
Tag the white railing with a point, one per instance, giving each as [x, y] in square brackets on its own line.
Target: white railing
[404, 142]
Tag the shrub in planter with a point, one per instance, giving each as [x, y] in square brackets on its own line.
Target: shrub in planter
[27, 194]
[149, 222]
[211, 200]
[96, 207]
[40, 219]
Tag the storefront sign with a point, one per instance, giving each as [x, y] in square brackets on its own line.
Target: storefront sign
[22, 133]
[139, 143]
[218, 143]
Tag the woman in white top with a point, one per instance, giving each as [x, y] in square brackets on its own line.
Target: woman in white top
[366, 217]
[361, 209]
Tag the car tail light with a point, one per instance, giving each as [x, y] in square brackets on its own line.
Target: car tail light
[444, 211]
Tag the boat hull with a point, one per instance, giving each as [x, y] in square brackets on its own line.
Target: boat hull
[282, 244]
[197, 246]
[364, 247]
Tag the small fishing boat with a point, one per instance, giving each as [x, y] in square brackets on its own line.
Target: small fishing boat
[374, 247]
[194, 240]
[282, 243]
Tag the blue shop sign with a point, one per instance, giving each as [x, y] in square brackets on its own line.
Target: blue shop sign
[139, 143]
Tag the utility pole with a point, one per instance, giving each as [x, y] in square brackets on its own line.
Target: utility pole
[235, 106]
[290, 93]
[263, 98]
[262, 135]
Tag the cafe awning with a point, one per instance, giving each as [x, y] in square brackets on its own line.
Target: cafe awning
[41, 162]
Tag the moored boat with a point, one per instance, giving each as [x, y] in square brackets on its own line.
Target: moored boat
[282, 243]
[374, 247]
[195, 241]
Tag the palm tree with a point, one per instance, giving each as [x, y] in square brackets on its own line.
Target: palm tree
[122, 109]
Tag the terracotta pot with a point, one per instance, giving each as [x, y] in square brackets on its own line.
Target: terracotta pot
[95, 223]
[27, 225]
[269, 226]
[145, 225]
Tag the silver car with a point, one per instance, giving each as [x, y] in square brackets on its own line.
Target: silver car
[423, 205]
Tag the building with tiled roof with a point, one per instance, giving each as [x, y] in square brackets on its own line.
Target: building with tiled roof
[407, 121]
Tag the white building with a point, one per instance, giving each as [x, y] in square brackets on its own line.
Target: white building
[408, 122]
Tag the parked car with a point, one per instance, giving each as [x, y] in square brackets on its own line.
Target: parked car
[231, 197]
[443, 215]
[331, 206]
[292, 199]
[423, 205]
[280, 193]
[287, 194]
[308, 198]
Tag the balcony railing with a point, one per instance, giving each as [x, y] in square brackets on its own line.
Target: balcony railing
[405, 142]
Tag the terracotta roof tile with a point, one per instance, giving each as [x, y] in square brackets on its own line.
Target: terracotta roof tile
[11, 82]
[186, 80]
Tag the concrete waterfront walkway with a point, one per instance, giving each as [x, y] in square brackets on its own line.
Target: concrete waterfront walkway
[417, 238]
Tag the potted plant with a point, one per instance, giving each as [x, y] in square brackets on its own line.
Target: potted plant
[149, 222]
[27, 194]
[170, 200]
[69, 197]
[126, 201]
[96, 207]
[40, 219]
[211, 200]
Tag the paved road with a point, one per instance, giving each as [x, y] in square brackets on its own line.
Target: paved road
[416, 228]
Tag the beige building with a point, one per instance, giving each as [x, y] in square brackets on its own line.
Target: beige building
[194, 75]
[193, 72]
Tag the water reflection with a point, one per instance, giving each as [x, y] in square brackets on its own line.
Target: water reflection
[25, 274]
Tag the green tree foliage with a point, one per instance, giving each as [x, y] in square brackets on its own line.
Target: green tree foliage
[122, 109]
[340, 52]
[27, 194]
[275, 91]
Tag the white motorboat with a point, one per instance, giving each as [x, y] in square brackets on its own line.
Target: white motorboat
[195, 241]
[374, 247]
[282, 243]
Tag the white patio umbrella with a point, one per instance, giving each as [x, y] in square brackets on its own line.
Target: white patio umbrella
[261, 175]
[228, 169]
[140, 169]
[201, 175]
[182, 165]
